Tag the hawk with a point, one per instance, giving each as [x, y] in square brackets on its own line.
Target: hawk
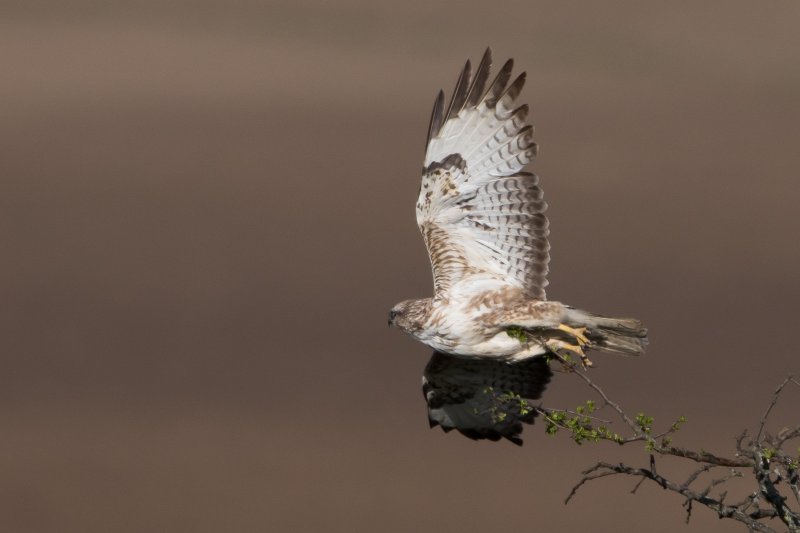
[482, 218]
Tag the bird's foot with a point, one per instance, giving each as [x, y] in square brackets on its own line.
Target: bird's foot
[565, 350]
[579, 334]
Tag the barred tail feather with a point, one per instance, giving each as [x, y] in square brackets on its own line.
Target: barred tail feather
[626, 336]
[622, 343]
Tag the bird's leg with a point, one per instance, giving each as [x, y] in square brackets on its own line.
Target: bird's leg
[562, 348]
[578, 333]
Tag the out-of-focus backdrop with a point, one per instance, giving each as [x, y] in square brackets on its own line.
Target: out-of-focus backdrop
[207, 209]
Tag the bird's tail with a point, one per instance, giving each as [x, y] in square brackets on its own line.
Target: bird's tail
[626, 336]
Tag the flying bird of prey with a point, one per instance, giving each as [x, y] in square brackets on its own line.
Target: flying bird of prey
[482, 218]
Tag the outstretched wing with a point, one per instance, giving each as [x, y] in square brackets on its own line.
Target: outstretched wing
[478, 212]
[482, 398]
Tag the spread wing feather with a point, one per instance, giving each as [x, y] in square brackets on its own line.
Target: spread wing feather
[481, 216]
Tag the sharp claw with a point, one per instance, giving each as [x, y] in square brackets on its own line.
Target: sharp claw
[578, 333]
[562, 348]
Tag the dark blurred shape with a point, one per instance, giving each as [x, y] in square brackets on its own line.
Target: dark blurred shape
[481, 398]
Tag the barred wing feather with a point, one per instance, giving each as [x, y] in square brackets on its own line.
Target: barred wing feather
[479, 213]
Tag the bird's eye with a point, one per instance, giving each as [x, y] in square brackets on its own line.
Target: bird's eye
[392, 315]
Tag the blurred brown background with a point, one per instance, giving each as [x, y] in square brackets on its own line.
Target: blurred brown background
[207, 211]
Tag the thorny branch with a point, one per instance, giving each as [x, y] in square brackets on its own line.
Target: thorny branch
[773, 469]
[775, 396]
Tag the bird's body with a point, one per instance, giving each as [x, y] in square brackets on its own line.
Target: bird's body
[473, 323]
[482, 219]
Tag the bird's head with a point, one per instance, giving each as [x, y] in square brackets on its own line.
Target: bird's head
[410, 315]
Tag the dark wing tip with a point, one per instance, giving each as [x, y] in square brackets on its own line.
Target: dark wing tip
[478, 86]
[460, 92]
[498, 86]
[437, 117]
[471, 90]
[516, 86]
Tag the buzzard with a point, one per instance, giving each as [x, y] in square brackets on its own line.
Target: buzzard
[482, 219]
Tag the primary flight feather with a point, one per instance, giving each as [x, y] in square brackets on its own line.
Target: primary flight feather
[482, 218]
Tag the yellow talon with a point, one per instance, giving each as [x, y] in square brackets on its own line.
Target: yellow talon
[578, 333]
[560, 347]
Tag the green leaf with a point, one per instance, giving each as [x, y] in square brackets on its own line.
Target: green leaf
[644, 422]
[677, 425]
[517, 333]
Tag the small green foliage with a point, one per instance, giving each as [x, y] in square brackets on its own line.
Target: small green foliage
[677, 425]
[517, 333]
[645, 423]
[769, 453]
[505, 404]
[579, 425]
[554, 420]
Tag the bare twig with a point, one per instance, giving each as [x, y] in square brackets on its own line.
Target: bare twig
[590, 474]
[692, 478]
[602, 469]
[638, 484]
[775, 396]
[703, 457]
[630, 423]
[770, 464]
[720, 481]
[787, 435]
